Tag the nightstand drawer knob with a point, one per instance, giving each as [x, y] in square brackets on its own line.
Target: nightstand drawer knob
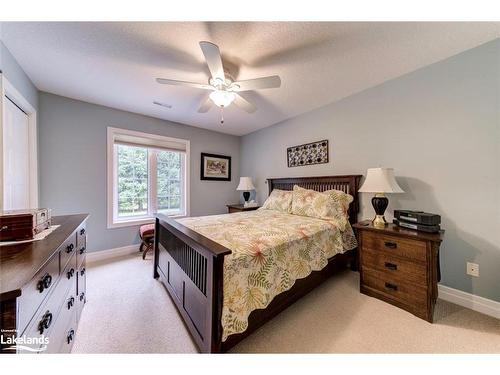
[391, 286]
[391, 245]
[391, 266]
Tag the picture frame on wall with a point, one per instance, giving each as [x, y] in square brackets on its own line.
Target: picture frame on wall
[308, 154]
[215, 167]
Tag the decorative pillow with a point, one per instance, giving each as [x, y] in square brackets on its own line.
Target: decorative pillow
[279, 200]
[329, 205]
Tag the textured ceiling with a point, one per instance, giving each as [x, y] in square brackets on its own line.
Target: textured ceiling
[115, 64]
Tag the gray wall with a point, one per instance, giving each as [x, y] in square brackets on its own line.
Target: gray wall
[73, 163]
[439, 128]
[17, 77]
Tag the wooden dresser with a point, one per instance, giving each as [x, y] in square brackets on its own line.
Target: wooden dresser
[42, 289]
[400, 266]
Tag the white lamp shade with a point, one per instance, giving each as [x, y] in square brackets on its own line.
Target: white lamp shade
[380, 180]
[245, 184]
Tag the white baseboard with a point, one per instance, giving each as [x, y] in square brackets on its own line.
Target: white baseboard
[471, 301]
[96, 256]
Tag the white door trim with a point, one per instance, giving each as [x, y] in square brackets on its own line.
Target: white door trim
[6, 88]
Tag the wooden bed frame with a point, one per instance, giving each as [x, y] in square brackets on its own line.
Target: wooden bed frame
[191, 268]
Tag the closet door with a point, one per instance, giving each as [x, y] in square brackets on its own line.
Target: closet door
[16, 158]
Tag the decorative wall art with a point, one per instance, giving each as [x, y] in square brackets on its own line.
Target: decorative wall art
[215, 167]
[308, 154]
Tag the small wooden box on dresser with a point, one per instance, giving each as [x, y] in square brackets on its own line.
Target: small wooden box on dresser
[42, 289]
[400, 266]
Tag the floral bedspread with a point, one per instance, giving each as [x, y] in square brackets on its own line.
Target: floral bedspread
[270, 250]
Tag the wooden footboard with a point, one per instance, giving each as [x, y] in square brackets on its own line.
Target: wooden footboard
[190, 266]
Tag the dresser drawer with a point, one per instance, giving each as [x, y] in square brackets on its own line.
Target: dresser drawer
[392, 245]
[81, 289]
[395, 267]
[36, 290]
[67, 250]
[81, 244]
[62, 334]
[45, 321]
[69, 334]
[412, 296]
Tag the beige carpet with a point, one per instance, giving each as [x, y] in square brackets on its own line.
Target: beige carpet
[130, 312]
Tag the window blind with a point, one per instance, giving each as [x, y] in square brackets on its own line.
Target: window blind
[160, 143]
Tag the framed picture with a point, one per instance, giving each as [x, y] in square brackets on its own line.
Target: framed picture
[215, 167]
[308, 154]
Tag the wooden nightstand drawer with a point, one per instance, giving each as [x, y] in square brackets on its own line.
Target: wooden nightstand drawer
[392, 245]
[396, 267]
[412, 296]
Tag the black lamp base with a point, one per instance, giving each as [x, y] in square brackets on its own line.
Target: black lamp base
[379, 203]
[246, 196]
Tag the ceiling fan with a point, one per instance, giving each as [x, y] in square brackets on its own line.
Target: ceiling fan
[223, 86]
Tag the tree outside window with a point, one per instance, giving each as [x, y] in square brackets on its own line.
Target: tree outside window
[135, 167]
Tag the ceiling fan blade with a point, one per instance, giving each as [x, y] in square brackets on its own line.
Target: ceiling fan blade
[257, 84]
[205, 107]
[214, 60]
[183, 83]
[244, 104]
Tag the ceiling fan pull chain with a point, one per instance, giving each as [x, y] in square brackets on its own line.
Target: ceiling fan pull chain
[222, 115]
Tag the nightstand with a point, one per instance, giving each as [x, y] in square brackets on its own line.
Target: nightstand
[400, 266]
[231, 208]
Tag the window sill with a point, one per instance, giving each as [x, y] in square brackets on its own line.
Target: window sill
[130, 223]
[139, 221]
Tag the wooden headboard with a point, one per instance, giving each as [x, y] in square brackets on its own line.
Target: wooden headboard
[348, 184]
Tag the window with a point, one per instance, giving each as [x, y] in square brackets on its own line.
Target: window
[147, 174]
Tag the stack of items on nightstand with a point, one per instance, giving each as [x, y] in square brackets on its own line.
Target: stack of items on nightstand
[417, 220]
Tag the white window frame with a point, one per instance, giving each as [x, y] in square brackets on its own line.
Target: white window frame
[112, 178]
[7, 89]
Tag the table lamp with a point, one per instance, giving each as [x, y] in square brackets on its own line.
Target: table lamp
[380, 181]
[245, 185]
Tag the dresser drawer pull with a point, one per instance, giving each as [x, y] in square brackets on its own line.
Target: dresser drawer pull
[70, 273]
[82, 232]
[391, 245]
[391, 286]
[69, 248]
[45, 322]
[71, 302]
[44, 283]
[82, 271]
[82, 250]
[71, 335]
[82, 296]
[391, 266]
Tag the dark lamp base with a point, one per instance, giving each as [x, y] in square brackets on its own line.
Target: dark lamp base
[246, 196]
[379, 203]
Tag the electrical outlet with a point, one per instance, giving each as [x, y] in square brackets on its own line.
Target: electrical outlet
[473, 269]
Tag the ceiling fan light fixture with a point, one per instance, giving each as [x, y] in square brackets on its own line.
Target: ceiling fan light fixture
[222, 98]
